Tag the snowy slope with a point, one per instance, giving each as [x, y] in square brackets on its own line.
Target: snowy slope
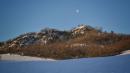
[15, 57]
[115, 64]
[125, 52]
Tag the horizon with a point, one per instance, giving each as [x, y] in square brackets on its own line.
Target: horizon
[20, 16]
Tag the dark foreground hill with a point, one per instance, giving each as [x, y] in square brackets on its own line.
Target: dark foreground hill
[82, 41]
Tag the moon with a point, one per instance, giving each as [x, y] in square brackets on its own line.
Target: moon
[77, 11]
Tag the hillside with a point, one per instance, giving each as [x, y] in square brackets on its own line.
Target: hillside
[81, 41]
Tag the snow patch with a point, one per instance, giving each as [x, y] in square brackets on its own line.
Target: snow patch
[125, 52]
[15, 57]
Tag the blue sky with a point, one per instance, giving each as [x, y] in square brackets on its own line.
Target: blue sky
[20, 16]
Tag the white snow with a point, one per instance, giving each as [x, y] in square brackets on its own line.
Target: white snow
[15, 57]
[80, 27]
[114, 64]
[125, 52]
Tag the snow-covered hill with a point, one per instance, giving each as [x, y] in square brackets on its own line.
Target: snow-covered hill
[114, 64]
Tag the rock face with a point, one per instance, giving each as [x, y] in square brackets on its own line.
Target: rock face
[81, 29]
